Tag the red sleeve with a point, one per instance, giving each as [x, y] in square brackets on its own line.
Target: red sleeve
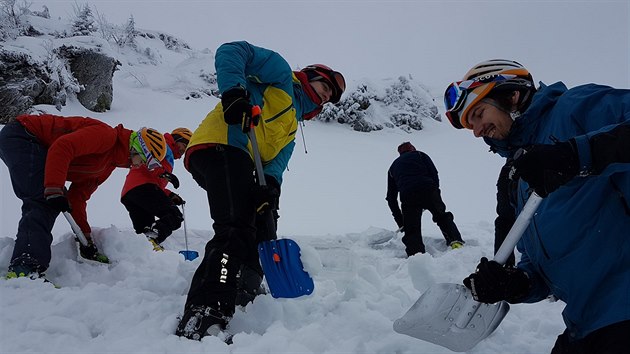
[93, 139]
[78, 195]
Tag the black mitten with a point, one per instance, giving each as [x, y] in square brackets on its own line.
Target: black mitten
[547, 167]
[493, 282]
[57, 199]
[236, 106]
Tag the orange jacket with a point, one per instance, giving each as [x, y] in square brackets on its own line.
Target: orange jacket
[81, 150]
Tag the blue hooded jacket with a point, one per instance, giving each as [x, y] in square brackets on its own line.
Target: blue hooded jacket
[577, 246]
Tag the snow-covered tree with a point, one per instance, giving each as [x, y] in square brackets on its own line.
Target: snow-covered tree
[45, 13]
[129, 33]
[12, 23]
[84, 22]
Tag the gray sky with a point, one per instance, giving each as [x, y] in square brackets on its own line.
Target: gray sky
[435, 41]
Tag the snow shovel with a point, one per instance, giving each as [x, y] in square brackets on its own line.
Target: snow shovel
[280, 259]
[81, 236]
[447, 314]
[75, 228]
[188, 254]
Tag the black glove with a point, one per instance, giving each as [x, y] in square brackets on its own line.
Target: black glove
[267, 197]
[236, 106]
[171, 178]
[176, 199]
[546, 167]
[57, 199]
[493, 282]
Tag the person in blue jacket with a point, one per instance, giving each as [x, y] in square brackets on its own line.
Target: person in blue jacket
[219, 157]
[415, 177]
[572, 147]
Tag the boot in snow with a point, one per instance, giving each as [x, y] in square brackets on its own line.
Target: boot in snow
[199, 321]
[91, 253]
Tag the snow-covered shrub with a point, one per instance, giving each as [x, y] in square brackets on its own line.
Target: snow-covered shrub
[404, 103]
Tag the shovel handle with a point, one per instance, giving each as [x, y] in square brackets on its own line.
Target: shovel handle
[271, 226]
[517, 230]
[184, 222]
[75, 228]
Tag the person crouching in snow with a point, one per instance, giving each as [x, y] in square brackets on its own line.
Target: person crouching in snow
[42, 153]
[145, 195]
[220, 160]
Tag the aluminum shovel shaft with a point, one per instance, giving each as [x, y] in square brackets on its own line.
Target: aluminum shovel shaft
[188, 254]
[75, 228]
[185, 231]
[517, 230]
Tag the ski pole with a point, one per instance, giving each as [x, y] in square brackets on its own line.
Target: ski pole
[75, 228]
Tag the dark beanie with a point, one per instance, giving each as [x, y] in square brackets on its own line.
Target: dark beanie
[405, 147]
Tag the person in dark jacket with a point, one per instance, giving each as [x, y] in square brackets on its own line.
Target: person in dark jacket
[572, 147]
[220, 159]
[415, 177]
[42, 153]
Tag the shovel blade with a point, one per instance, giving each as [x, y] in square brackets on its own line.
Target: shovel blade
[447, 315]
[283, 268]
[189, 255]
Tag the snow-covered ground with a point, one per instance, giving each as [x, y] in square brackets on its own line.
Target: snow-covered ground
[333, 204]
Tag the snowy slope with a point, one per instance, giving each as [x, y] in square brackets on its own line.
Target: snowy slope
[333, 204]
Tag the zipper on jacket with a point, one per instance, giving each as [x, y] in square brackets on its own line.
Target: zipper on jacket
[277, 115]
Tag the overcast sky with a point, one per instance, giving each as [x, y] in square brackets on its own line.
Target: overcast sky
[435, 41]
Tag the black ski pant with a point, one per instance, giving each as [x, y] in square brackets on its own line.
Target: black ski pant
[226, 173]
[612, 339]
[25, 158]
[146, 202]
[412, 205]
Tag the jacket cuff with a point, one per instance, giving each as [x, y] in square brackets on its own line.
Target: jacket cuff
[53, 191]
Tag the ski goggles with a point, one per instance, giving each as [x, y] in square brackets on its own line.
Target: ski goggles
[456, 96]
[332, 78]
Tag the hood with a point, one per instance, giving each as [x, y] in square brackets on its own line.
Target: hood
[525, 127]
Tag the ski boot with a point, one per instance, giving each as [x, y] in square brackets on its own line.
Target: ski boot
[91, 253]
[456, 244]
[248, 285]
[22, 271]
[153, 237]
[199, 321]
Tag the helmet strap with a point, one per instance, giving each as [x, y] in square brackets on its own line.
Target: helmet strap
[515, 114]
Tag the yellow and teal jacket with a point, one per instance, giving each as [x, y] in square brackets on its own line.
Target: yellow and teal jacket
[274, 87]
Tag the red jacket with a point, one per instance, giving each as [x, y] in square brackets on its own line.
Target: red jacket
[142, 175]
[81, 150]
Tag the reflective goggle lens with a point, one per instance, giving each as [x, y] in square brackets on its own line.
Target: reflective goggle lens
[153, 163]
[455, 94]
[454, 97]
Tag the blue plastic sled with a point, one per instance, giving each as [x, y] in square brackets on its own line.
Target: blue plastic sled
[283, 269]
